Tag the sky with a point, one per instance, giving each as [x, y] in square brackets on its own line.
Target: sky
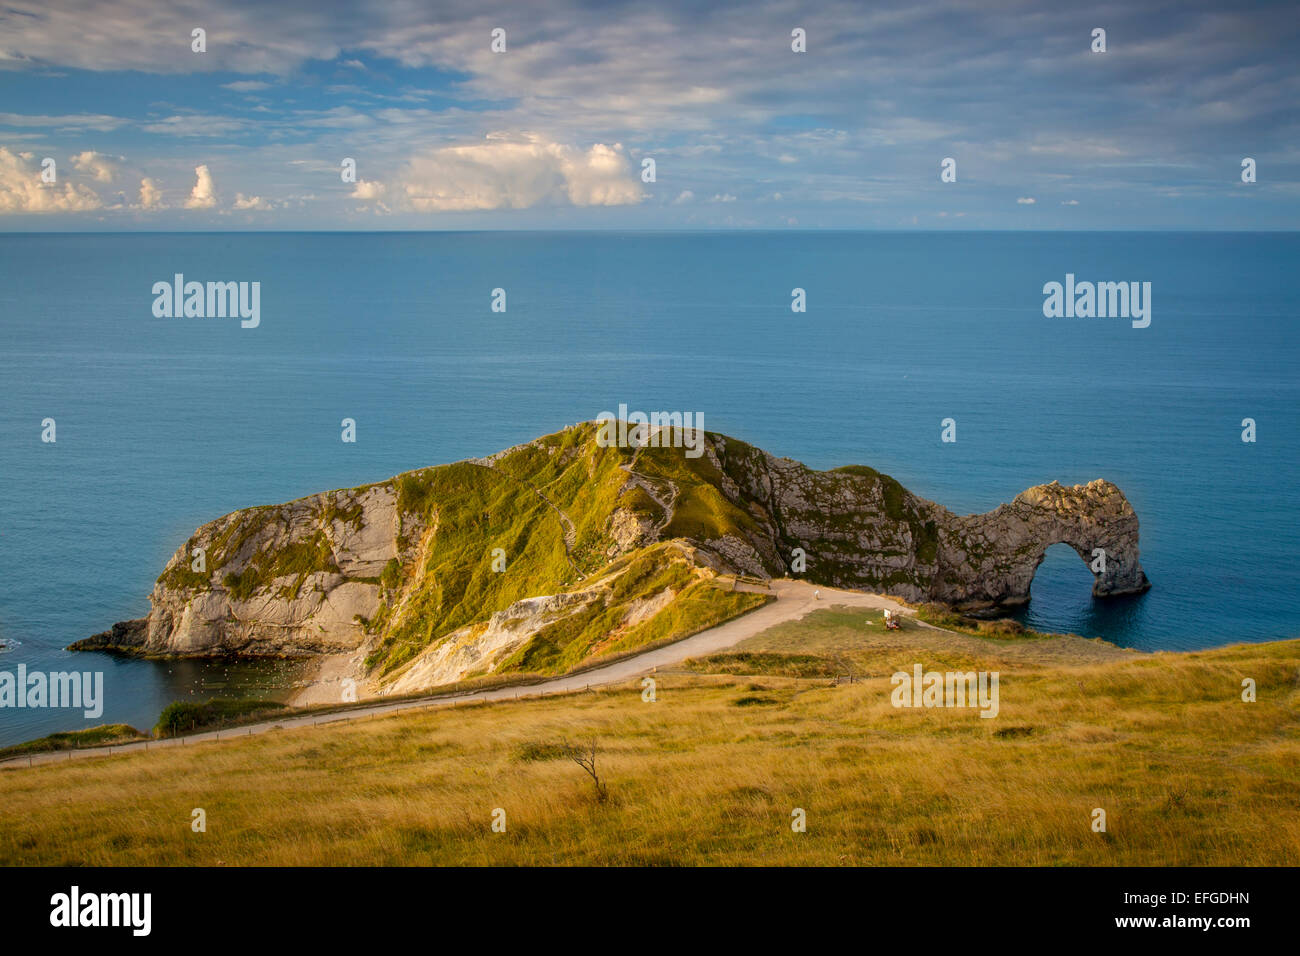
[554, 131]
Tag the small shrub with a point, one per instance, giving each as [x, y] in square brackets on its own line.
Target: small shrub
[540, 750]
[1004, 733]
[182, 715]
[391, 578]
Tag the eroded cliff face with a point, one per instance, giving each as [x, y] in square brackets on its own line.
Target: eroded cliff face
[558, 550]
[861, 529]
[293, 579]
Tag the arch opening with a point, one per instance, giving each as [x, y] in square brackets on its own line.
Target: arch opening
[1062, 600]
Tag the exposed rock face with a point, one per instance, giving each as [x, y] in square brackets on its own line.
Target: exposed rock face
[412, 572]
[125, 636]
[861, 529]
[288, 580]
[477, 648]
[1095, 519]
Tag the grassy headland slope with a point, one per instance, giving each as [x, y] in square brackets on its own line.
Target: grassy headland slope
[1187, 772]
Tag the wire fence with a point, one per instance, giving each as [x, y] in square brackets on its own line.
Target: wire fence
[364, 712]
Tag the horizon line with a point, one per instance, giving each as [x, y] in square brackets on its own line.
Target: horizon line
[617, 231]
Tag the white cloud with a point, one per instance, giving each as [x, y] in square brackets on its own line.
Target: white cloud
[196, 124]
[684, 196]
[150, 194]
[504, 173]
[369, 190]
[99, 167]
[251, 202]
[73, 121]
[204, 194]
[21, 188]
[1026, 200]
[145, 35]
[1069, 202]
[673, 79]
[723, 197]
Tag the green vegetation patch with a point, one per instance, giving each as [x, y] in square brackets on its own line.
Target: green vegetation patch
[534, 751]
[596, 631]
[299, 558]
[75, 739]
[332, 511]
[181, 576]
[1004, 628]
[765, 663]
[185, 716]
[479, 509]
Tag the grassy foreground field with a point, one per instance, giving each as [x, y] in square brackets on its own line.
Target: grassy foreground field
[710, 772]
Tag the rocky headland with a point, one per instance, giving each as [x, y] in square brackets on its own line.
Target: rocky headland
[560, 550]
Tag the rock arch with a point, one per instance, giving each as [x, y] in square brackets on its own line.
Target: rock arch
[992, 558]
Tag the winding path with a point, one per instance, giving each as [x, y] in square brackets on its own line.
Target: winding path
[794, 599]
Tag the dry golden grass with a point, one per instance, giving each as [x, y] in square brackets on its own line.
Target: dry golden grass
[1187, 772]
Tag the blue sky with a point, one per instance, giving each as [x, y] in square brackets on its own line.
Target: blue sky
[744, 133]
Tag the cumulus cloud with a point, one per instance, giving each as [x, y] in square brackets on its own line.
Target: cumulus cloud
[1026, 200]
[21, 188]
[369, 190]
[514, 174]
[684, 196]
[250, 202]
[1069, 202]
[150, 194]
[99, 167]
[204, 194]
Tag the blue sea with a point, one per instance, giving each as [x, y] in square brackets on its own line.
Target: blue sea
[165, 423]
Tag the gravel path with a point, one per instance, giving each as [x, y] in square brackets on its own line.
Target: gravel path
[794, 599]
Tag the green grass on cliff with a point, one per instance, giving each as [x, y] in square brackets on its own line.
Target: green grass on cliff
[599, 631]
[515, 504]
[473, 511]
[298, 558]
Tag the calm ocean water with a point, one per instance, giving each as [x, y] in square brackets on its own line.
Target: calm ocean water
[164, 424]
